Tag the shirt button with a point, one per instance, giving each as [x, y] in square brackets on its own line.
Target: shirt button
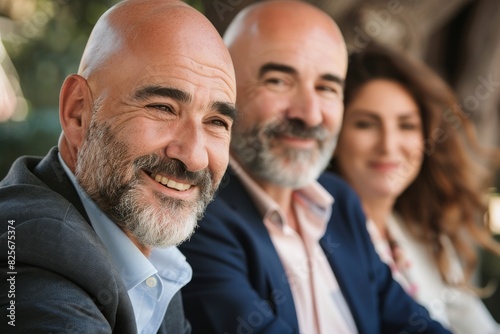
[276, 218]
[151, 282]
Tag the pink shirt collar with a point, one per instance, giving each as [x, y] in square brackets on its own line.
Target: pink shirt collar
[313, 196]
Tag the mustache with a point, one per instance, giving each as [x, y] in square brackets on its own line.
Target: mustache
[176, 168]
[295, 128]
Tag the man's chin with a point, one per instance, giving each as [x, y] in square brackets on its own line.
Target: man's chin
[160, 221]
[165, 226]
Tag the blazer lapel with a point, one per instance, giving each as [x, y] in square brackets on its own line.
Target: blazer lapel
[51, 172]
[237, 197]
[339, 249]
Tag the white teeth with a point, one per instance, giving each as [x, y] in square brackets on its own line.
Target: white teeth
[171, 183]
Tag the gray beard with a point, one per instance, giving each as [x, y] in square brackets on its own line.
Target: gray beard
[112, 180]
[285, 167]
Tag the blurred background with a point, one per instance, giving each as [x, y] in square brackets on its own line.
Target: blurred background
[41, 42]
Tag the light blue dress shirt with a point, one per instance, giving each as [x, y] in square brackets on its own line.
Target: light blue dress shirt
[151, 283]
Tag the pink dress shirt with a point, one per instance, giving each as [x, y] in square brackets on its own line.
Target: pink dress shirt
[319, 303]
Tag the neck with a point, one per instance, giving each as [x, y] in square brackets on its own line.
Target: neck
[144, 249]
[378, 210]
[68, 153]
[283, 197]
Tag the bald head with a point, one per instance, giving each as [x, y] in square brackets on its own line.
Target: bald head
[149, 27]
[280, 19]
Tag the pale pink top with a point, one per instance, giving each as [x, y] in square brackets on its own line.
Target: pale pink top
[319, 303]
[393, 256]
[415, 269]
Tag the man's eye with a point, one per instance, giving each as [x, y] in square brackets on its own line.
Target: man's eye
[329, 89]
[277, 84]
[219, 122]
[161, 107]
[274, 81]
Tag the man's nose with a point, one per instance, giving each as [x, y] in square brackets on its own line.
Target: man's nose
[189, 146]
[305, 105]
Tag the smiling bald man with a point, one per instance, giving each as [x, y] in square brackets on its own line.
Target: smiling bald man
[93, 226]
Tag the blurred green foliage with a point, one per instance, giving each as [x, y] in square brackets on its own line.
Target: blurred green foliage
[46, 47]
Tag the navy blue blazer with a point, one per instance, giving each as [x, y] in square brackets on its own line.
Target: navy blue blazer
[65, 278]
[239, 284]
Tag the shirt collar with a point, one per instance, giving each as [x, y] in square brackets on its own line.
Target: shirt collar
[314, 196]
[266, 206]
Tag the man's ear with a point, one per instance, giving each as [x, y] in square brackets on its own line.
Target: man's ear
[75, 109]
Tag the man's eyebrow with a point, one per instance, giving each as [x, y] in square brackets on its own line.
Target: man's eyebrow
[333, 78]
[276, 67]
[226, 109]
[290, 70]
[173, 93]
[144, 93]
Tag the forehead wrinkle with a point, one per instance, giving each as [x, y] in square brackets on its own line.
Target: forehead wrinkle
[214, 73]
[153, 37]
[191, 67]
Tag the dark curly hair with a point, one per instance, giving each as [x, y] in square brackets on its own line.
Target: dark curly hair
[448, 197]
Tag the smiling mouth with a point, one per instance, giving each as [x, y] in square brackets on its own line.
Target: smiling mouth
[170, 183]
[385, 166]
